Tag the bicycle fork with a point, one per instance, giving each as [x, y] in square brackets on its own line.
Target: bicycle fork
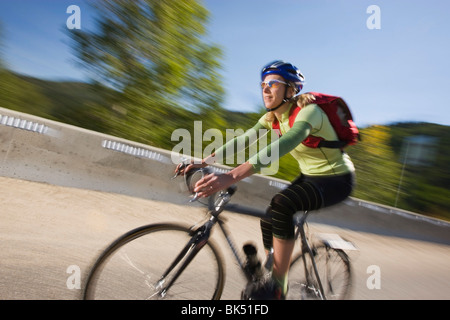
[195, 244]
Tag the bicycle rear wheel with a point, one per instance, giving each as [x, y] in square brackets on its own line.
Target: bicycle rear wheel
[132, 267]
[334, 270]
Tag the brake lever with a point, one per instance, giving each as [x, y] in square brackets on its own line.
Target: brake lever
[178, 171]
[195, 198]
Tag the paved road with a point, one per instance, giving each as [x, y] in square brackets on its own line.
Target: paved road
[49, 232]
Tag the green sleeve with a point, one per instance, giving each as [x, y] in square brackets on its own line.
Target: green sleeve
[237, 144]
[288, 141]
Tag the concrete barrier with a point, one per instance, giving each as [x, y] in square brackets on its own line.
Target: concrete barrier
[42, 150]
[37, 149]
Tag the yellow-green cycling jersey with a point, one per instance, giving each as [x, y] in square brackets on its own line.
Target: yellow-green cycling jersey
[312, 161]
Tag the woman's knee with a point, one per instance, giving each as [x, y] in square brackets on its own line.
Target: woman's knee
[282, 202]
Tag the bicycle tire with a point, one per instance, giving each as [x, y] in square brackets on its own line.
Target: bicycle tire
[112, 276]
[334, 271]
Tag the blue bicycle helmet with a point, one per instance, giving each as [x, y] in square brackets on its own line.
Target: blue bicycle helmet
[289, 72]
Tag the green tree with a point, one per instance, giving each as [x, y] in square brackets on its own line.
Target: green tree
[377, 168]
[154, 55]
[425, 183]
[17, 94]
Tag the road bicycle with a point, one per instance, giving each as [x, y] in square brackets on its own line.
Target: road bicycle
[171, 261]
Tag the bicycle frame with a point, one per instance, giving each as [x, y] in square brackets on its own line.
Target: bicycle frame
[200, 237]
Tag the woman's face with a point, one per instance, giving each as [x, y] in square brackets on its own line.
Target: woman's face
[274, 96]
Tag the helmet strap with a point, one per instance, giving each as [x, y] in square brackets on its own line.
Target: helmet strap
[282, 102]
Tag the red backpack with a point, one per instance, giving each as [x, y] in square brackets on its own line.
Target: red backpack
[340, 118]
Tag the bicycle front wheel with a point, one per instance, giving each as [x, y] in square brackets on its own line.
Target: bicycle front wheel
[334, 270]
[134, 267]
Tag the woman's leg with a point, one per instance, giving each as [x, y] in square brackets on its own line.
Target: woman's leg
[282, 252]
[278, 227]
[303, 194]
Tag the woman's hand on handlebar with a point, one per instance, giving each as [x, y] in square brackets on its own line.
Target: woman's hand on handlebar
[212, 183]
[184, 168]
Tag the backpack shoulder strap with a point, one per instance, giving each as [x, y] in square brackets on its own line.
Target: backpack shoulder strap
[295, 109]
[292, 115]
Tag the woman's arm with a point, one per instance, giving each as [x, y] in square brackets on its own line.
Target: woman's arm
[234, 145]
[213, 183]
[288, 141]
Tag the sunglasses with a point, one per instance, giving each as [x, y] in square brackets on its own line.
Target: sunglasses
[272, 84]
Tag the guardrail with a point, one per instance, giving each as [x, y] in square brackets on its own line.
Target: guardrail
[37, 149]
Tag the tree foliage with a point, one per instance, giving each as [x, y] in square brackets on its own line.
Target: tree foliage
[155, 56]
[374, 155]
[426, 183]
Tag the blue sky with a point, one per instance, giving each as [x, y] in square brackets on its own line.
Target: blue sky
[397, 73]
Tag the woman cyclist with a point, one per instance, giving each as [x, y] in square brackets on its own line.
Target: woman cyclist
[326, 174]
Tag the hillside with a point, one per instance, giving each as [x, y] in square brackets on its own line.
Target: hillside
[402, 164]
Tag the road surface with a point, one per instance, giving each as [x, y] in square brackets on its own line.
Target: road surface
[50, 235]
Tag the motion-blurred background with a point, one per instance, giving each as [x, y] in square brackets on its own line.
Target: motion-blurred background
[141, 69]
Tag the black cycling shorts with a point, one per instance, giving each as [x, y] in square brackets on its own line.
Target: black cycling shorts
[305, 193]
